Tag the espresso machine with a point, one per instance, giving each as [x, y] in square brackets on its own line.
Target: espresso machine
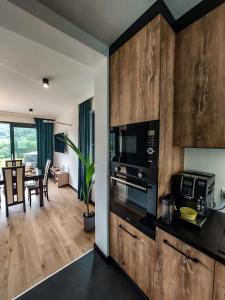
[194, 189]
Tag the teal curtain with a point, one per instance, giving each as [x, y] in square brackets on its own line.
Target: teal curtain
[45, 133]
[84, 143]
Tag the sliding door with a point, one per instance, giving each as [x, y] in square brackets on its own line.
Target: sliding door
[18, 141]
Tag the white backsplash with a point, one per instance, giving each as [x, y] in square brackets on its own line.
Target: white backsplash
[208, 160]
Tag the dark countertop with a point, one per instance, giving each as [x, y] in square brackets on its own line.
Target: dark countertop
[208, 239]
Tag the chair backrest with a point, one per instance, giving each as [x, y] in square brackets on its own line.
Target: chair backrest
[13, 163]
[47, 167]
[14, 184]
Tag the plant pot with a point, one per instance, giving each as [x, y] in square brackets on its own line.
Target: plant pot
[89, 221]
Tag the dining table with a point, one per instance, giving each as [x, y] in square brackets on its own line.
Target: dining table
[36, 175]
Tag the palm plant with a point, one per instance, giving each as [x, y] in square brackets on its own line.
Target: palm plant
[89, 171]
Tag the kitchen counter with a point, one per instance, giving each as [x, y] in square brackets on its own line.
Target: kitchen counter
[208, 240]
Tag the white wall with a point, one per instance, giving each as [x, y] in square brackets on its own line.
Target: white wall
[68, 159]
[208, 160]
[101, 158]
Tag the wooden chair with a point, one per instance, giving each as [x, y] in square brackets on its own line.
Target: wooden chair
[14, 187]
[33, 188]
[13, 163]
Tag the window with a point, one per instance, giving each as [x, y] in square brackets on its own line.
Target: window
[18, 141]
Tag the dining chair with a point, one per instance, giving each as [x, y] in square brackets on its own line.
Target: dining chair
[33, 187]
[13, 163]
[14, 187]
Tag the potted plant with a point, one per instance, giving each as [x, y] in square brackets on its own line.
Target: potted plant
[89, 171]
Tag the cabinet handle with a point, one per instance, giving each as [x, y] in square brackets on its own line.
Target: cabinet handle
[124, 229]
[194, 259]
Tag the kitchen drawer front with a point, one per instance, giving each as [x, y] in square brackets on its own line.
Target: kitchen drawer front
[219, 282]
[190, 252]
[220, 274]
[181, 272]
[133, 251]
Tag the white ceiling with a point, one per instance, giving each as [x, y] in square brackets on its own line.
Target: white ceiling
[31, 49]
[23, 64]
[108, 19]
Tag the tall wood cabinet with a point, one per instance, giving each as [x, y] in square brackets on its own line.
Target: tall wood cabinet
[133, 251]
[199, 83]
[219, 282]
[181, 272]
[142, 89]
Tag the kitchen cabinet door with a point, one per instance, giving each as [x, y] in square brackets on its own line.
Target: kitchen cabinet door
[181, 272]
[199, 107]
[135, 77]
[219, 282]
[133, 251]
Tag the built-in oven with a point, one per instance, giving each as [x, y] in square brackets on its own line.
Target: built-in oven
[134, 172]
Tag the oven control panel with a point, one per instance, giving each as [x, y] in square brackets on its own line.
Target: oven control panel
[151, 144]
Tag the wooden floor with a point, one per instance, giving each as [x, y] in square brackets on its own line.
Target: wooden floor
[35, 244]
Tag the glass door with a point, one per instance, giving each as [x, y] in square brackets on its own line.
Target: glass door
[18, 141]
[5, 144]
[25, 143]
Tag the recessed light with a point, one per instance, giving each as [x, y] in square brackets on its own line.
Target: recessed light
[46, 83]
[31, 110]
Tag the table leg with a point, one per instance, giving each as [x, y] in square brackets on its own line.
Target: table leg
[41, 192]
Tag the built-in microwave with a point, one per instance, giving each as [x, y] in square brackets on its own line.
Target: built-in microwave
[135, 144]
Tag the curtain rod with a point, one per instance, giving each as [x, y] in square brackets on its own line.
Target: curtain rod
[56, 122]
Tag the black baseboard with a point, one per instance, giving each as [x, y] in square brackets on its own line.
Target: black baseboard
[103, 256]
[73, 188]
[159, 7]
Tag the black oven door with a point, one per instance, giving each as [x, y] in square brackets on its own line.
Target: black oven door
[135, 199]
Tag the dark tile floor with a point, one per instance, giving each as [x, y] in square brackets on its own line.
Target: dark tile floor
[88, 278]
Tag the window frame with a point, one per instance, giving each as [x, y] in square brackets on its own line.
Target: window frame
[12, 125]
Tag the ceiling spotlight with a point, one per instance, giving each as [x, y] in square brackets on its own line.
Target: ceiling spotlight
[31, 110]
[46, 83]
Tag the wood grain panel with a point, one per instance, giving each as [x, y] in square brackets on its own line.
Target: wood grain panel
[170, 157]
[219, 292]
[134, 255]
[219, 282]
[199, 83]
[177, 276]
[134, 78]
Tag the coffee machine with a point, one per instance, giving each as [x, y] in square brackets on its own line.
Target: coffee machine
[194, 189]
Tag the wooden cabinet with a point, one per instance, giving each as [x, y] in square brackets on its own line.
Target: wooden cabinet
[61, 178]
[219, 282]
[141, 75]
[133, 251]
[181, 272]
[142, 89]
[199, 83]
